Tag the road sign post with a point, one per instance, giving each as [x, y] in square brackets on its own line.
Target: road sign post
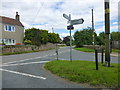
[70, 46]
[70, 27]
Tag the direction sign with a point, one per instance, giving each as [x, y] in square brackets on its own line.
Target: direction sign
[76, 21]
[67, 17]
[70, 27]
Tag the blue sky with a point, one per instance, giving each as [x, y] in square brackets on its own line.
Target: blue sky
[48, 14]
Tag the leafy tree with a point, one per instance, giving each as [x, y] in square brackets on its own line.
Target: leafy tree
[37, 37]
[33, 35]
[101, 38]
[84, 37]
[115, 36]
[53, 38]
[44, 36]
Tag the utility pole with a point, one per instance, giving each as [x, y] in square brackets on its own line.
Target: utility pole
[107, 32]
[52, 30]
[93, 29]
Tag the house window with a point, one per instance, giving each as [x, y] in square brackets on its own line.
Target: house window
[9, 28]
[9, 41]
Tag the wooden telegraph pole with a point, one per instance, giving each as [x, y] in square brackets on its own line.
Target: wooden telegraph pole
[107, 32]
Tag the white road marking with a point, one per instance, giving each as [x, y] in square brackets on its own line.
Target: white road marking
[25, 60]
[23, 63]
[33, 58]
[24, 74]
[22, 60]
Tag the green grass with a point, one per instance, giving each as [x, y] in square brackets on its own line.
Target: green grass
[3, 54]
[92, 50]
[116, 50]
[85, 49]
[84, 72]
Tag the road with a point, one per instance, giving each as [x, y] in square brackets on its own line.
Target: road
[26, 70]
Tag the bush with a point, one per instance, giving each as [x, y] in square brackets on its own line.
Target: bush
[27, 42]
[2, 43]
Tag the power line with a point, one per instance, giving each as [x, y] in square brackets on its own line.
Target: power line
[38, 11]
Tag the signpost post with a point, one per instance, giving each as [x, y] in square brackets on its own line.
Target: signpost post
[70, 27]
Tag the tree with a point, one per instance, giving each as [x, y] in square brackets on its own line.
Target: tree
[101, 38]
[53, 38]
[44, 36]
[83, 37]
[115, 36]
[37, 37]
[33, 35]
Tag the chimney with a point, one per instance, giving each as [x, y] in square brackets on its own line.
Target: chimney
[17, 17]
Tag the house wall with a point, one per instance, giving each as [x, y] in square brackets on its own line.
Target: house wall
[0, 30]
[18, 35]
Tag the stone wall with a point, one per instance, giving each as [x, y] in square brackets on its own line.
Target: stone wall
[24, 48]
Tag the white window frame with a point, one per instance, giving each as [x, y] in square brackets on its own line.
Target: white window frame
[9, 41]
[9, 28]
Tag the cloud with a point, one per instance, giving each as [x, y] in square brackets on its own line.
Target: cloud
[45, 14]
[115, 23]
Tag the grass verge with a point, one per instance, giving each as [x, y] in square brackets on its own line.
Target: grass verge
[84, 72]
[85, 49]
[92, 50]
[116, 50]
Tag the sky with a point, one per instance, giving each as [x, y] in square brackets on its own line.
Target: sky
[48, 14]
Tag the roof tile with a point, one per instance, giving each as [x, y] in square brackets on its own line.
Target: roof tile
[10, 21]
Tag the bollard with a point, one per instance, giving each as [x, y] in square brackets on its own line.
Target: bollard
[57, 51]
[102, 56]
[96, 59]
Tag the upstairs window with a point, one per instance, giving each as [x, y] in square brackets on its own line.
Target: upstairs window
[9, 28]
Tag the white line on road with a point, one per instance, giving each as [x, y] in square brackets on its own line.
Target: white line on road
[23, 63]
[33, 58]
[24, 74]
[22, 60]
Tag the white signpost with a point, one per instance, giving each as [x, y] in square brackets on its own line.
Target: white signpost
[70, 27]
[67, 17]
[76, 21]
